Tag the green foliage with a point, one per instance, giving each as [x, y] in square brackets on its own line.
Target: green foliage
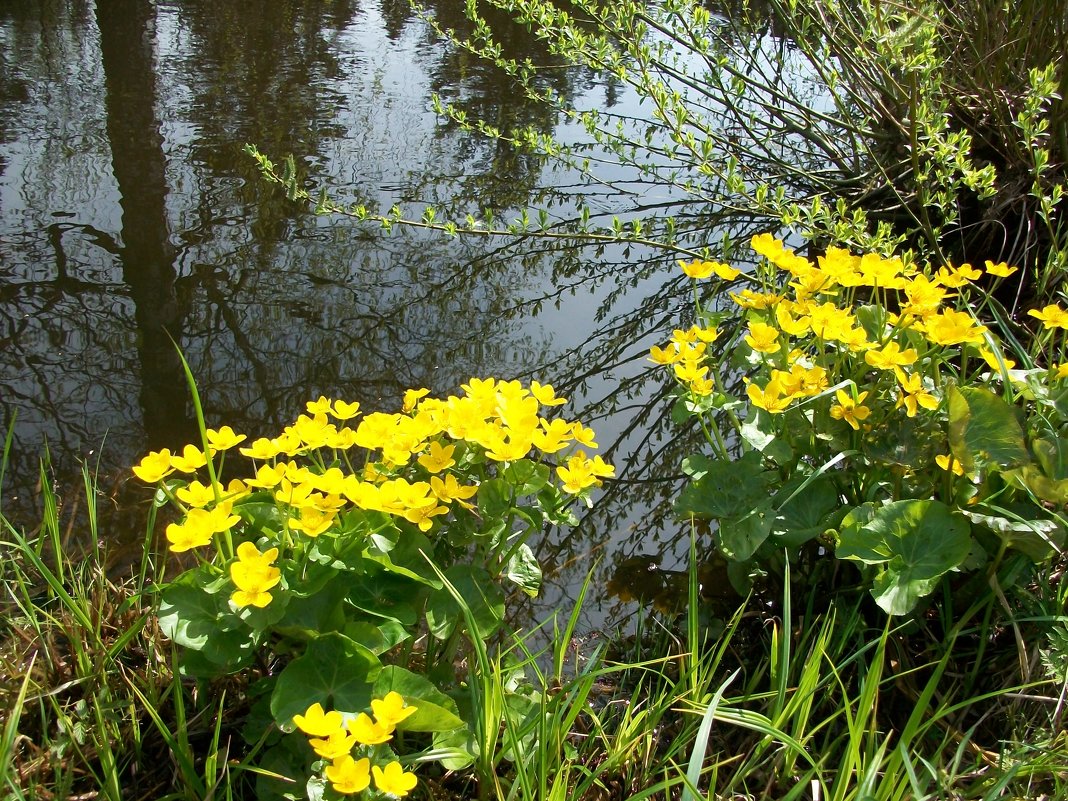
[859, 123]
[858, 371]
[343, 546]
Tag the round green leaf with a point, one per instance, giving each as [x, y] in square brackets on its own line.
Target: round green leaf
[434, 711]
[335, 671]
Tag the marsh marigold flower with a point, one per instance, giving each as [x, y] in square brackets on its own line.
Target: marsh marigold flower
[763, 338]
[850, 409]
[953, 328]
[318, 723]
[706, 269]
[391, 710]
[348, 775]
[393, 779]
[999, 270]
[890, 357]
[224, 438]
[154, 467]
[1052, 316]
[914, 395]
[367, 731]
[254, 574]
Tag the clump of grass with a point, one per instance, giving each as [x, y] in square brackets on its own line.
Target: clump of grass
[825, 701]
[89, 704]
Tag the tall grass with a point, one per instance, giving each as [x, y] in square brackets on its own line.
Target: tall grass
[89, 704]
[805, 698]
[826, 702]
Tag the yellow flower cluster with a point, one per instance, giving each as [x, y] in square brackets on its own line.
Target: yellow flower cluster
[809, 329]
[332, 736]
[686, 354]
[417, 464]
[254, 573]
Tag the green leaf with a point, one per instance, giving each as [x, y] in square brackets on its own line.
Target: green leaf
[809, 511]
[739, 538]
[334, 671]
[461, 746]
[914, 543]
[197, 618]
[386, 595]
[984, 430]
[1032, 478]
[526, 476]
[525, 570]
[495, 498]
[480, 593]
[434, 711]
[1038, 539]
[729, 489]
[696, 465]
[311, 613]
[760, 431]
[405, 555]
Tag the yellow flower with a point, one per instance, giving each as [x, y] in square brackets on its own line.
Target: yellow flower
[511, 449]
[261, 448]
[582, 435]
[666, 355]
[391, 710]
[1052, 316]
[577, 475]
[334, 745]
[266, 477]
[948, 463]
[600, 468]
[320, 406]
[705, 269]
[196, 494]
[771, 398]
[545, 394]
[767, 246]
[192, 458]
[552, 435]
[154, 467]
[890, 357]
[999, 270]
[953, 328]
[349, 776]
[914, 395]
[991, 359]
[422, 516]
[224, 438]
[367, 731]
[748, 299]
[254, 575]
[411, 397]
[702, 387]
[1061, 370]
[342, 410]
[924, 297]
[317, 723]
[792, 326]
[690, 371]
[188, 535]
[393, 780]
[451, 490]
[312, 521]
[438, 458]
[696, 269]
[763, 338]
[849, 409]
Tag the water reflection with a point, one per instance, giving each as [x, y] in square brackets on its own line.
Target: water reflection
[129, 217]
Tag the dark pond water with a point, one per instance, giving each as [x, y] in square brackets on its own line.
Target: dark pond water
[129, 216]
